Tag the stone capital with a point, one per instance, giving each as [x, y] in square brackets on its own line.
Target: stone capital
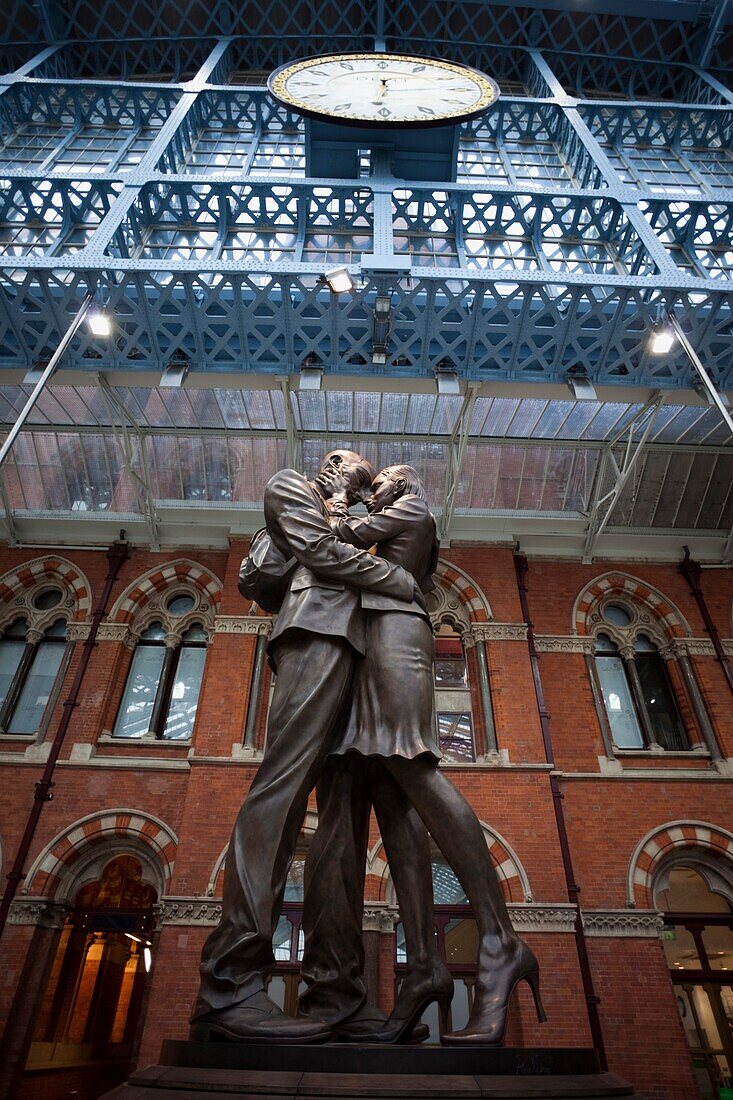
[499, 632]
[242, 624]
[41, 912]
[624, 923]
[379, 918]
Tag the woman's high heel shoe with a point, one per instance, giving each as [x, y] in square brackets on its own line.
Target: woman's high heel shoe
[414, 997]
[487, 1022]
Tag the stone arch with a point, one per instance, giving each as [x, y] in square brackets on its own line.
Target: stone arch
[661, 610]
[19, 585]
[509, 868]
[213, 888]
[162, 578]
[660, 842]
[75, 854]
[458, 598]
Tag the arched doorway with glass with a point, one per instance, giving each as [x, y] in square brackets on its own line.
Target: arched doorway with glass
[695, 893]
[91, 1008]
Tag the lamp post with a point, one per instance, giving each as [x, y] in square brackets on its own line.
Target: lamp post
[100, 326]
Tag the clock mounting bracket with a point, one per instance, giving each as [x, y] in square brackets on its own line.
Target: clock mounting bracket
[334, 150]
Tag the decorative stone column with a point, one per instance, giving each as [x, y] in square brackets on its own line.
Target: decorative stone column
[476, 638]
[378, 921]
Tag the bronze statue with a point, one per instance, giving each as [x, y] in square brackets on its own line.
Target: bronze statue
[352, 715]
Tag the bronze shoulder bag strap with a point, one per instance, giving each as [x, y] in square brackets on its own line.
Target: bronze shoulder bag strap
[265, 573]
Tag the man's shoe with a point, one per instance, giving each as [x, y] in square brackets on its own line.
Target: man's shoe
[366, 1025]
[257, 1020]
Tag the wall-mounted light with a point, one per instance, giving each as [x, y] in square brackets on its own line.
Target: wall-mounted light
[339, 280]
[147, 959]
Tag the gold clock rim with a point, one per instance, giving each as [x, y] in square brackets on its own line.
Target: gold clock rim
[487, 87]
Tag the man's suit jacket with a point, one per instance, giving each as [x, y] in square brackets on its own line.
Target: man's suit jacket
[323, 595]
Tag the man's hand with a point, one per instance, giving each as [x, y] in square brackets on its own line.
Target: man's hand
[338, 505]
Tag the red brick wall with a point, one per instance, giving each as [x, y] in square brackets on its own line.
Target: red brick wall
[606, 817]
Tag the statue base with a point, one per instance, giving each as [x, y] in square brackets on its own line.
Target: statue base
[195, 1071]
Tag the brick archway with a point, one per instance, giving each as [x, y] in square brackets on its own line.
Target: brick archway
[16, 582]
[662, 610]
[138, 593]
[512, 875]
[663, 839]
[75, 843]
[472, 599]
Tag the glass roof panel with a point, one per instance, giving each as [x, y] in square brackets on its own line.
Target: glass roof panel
[366, 411]
[420, 413]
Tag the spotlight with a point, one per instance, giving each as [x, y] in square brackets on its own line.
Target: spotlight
[383, 309]
[446, 378]
[311, 373]
[581, 386]
[661, 340]
[176, 371]
[310, 378]
[339, 280]
[99, 321]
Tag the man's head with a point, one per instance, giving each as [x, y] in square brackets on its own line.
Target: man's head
[391, 484]
[347, 470]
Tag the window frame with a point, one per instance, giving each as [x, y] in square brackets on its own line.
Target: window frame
[164, 691]
[625, 639]
[38, 624]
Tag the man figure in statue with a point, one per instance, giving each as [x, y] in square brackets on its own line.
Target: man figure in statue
[319, 635]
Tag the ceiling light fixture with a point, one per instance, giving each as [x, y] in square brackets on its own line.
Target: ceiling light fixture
[99, 321]
[339, 280]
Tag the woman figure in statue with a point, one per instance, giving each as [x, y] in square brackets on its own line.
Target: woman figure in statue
[392, 723]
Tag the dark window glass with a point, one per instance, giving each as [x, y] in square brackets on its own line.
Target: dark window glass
[163, 693]
[663, 714]
[455, 732]
[12, 645]
[39, 681]
[450, 663]
[48, 599]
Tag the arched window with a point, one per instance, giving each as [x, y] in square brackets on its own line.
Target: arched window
[637, 694]
[164, 681]
[32, 652]
[696, 896]
[453, 695]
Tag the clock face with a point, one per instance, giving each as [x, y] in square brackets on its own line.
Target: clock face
[383, 89]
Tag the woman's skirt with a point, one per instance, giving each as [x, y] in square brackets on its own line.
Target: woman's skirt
[393, 709]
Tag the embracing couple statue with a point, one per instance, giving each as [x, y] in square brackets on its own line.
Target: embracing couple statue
[352, 716]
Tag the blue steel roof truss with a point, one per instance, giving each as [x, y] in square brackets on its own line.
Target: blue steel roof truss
[597, 191]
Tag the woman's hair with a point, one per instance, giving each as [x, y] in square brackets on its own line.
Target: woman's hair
[410, 476]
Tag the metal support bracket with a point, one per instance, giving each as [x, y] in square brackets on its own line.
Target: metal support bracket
[456, 452]
[122, 435]
[294, 443]
[603, 503]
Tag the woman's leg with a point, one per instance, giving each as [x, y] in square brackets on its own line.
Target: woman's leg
[455, 829]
